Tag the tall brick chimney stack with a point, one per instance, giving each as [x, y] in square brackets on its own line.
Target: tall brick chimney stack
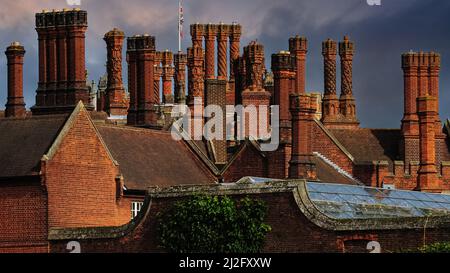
[255, 68]
[157, 74]
[223, 32]
[255, 94]
[235, 41]
[196, 74]
[76, 28]
[330, 110]
[180, 62]
[347, 105]
[115, 98]
[421, 89]
[410, 121]
[427, 175]
[283, 72]
[210, 39]
[298, 46]
[303, 109]
[141, 56]
[132, 60]
[62, 73]
[62, 68]
[197, 33]
[433, 82]
[42, 48]
[167, 76]
[15, 106]
[52, 49]
[146, 48]
[215, 94]
[196, 92]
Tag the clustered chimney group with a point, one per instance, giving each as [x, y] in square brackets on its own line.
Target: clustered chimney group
[62, 83]
[62, 71]
[421, 125]
[338, 113]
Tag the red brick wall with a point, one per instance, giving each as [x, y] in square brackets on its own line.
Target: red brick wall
[291, 232]
[80, 180]
[323, 144]
[279, 162]
[249, 162]
[23, 224]
[124, 214]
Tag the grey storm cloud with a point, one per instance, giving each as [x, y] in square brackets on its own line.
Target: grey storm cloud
[381, 34]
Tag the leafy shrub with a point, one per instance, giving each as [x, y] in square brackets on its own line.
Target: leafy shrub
[436, 248]
[212, 224]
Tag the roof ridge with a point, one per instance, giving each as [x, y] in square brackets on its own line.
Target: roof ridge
[131, 128]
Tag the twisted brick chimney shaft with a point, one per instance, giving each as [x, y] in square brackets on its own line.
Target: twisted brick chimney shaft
[115, 98]
[330, 102]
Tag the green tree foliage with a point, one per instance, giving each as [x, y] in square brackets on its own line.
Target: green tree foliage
[436, 248]
[212, 224]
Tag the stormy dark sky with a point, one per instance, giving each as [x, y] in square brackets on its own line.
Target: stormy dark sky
[381, 34]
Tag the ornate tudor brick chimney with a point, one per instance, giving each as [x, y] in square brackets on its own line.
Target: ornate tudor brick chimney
[330, 108]
[15, 106]
[303, 109]
[167, 76]
[283, 73]
[62, 68]
[195, 74]
[235, 40]
[255, 94]
[427, 175]
[196, 87]
[141, 56]
[223, 31]
[410, 121]
[197, 33]
[421, 78]
[210, 39]
[180, 62]
[157, 75]
[298, 46]
[347, 105]
[115, 93]
[422, 135]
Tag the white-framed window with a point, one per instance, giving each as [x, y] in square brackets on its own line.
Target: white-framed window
[135, 208]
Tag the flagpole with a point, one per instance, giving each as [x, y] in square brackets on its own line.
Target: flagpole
[179, 25]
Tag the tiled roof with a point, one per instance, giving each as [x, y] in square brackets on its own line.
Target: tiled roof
[326, 173]
[153, 158]
[23, 142]
[370, 144]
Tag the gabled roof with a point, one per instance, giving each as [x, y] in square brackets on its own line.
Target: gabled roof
[327, 173]
[149, 157]
[370, 144]
[23, 142]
